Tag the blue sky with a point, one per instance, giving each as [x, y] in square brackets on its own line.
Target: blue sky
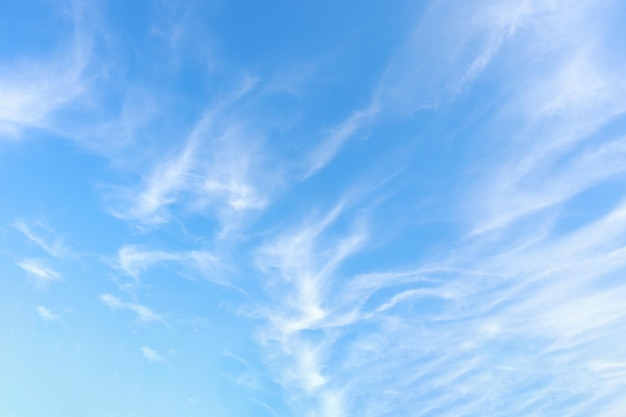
[313, 208]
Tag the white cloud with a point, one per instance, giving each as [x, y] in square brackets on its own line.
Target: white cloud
[547, 183]
[522, 316]
[426, 74]
[45, 238]
[332, 143]
[554, 118]
[33, 90]
[151, 355]
[451, 45]
[559, 297]
[31, 94]
[47, 314]
[521, 309]
[162, 188]
[144, 314]
[220, 170]
[38, 270]
[134, 260]
[299, 266]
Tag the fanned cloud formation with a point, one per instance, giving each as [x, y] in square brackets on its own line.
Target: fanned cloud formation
[313, 209]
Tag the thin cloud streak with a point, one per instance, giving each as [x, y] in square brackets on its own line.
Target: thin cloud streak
[332, 143]
[562, 109]
[468, 37]
[410, 83]
[37, 269]
[144, 314]
[134, 260]
[45, 238]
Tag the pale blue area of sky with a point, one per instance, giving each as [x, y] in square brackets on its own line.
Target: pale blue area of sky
[312, 208]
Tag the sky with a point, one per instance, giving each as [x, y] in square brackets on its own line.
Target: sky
[312, 208]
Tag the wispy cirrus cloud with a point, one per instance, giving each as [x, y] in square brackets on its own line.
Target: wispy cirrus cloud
[549, 182]
[299, 274]
[450, 46]
[44, 237]
[33, 90]
[144, 314]
[425, 75]
[517, 310]
[32, 93]
[134, 260]
[444, 332]
[525, 314]
[337, 136]
[559, 150]
[218, 170]
[38, 269]
[47, 314]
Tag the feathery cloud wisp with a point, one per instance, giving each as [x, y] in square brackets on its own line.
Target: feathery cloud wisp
[47, 314]
[144, 314]
[45, 238]
[38, 270]
[33, 90]
[133, 260]
[332, 143]
[218, 170]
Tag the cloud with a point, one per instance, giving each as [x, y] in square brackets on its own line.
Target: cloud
[524, 312]
[45, 238]
[38, 270]
[134, 260]
[449, 334]
[299, 266]
[32, 93]
[151, 355]
[162, 188]
[450, 47]
[556, 149]
[144, 314]
[548, 182]
[334, 140]
[47, 314]
[221, 170]
[33, 90]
